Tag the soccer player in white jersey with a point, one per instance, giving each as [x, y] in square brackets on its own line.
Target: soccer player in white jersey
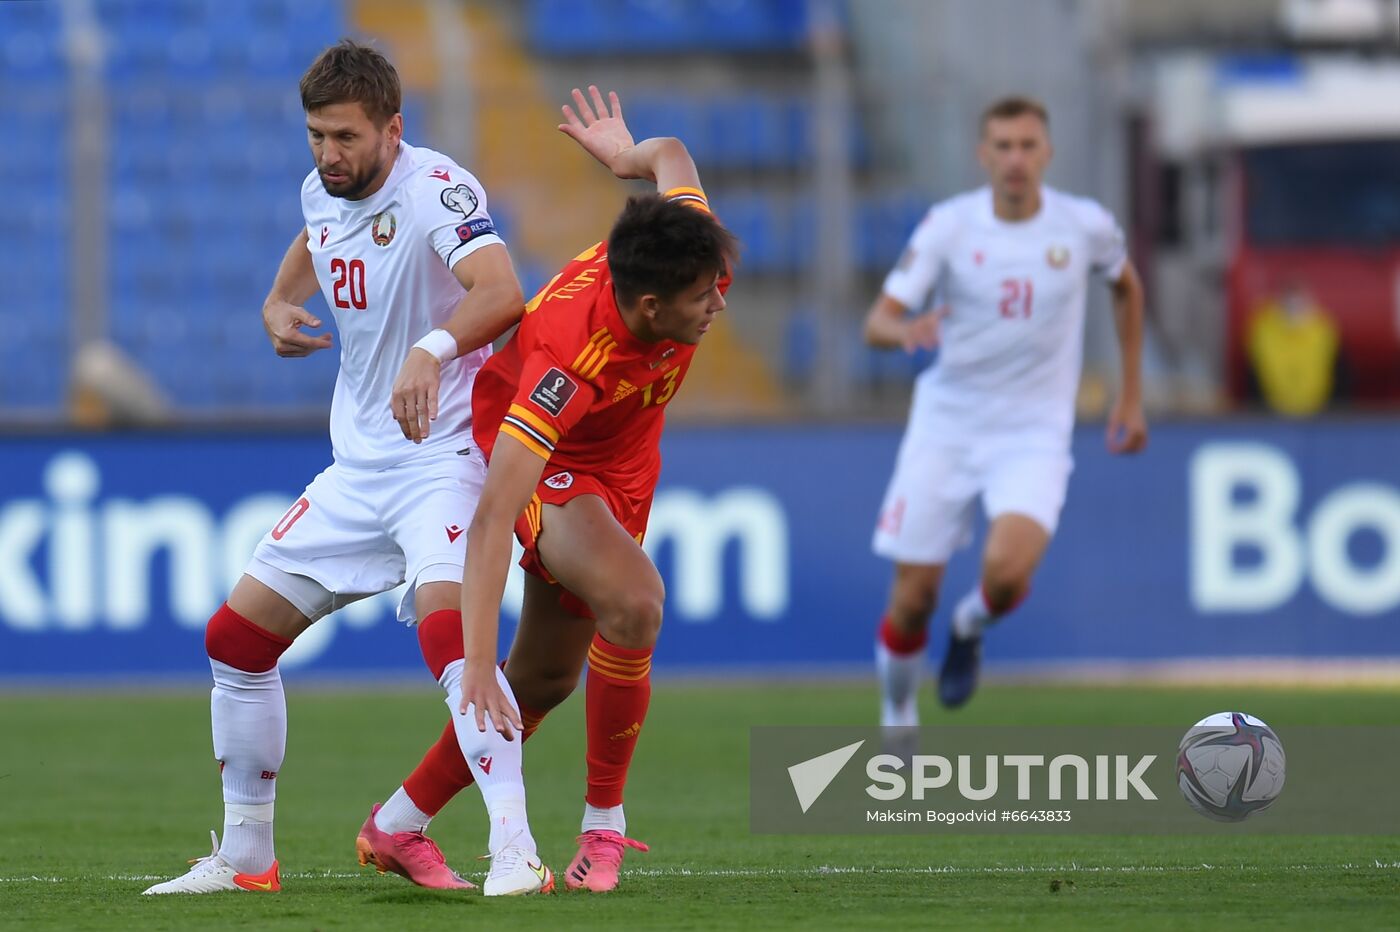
[399, 241]
[992, 417]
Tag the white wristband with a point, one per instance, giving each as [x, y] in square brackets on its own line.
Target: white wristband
[440, 344]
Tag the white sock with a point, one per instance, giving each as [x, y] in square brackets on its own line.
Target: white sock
[899, 676]
[494, 762]
[248, 714]
[400, 814]
[972, 615]
[611, 819]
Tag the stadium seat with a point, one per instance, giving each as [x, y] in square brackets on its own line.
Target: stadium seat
[30, 55]
[569, 26]
[595, 27]
[757, 24]
[755, 220]
[28, 17]
[801, 346]
[753, 130]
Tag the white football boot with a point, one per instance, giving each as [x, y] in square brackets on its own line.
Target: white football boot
[516, 871]
[212, 874]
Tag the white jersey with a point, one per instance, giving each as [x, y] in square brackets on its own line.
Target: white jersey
[385, 267]
[1011, 345]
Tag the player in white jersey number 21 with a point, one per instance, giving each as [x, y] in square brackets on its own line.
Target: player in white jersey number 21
[992, 417]
[399, 241]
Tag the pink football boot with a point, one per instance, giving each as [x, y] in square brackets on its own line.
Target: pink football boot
[409, 854]
[599, 856]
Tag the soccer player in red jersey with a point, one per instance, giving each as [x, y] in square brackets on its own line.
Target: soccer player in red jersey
[569, 415]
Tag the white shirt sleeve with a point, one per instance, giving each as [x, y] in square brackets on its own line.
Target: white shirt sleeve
[922, 263]
[455, 214]
[310, 187]
[1108, 252]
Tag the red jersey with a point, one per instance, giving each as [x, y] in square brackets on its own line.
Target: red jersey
[577, 387]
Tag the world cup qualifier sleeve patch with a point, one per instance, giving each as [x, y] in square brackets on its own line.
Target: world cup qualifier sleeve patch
[554, 391]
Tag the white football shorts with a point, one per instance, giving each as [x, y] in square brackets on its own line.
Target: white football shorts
[928, 510]
[355, 532]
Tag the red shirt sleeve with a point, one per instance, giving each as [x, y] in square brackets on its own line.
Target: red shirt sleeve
[550, 401]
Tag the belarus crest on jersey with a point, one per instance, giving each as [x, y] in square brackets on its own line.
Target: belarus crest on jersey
[1057, 256]
[383, 227]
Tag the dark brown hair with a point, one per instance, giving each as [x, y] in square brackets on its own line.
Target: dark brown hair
[661, 247]
[1008, 108]
[349, 72]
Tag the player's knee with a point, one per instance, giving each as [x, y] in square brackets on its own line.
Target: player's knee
[547, 689]
[232, 639]
[541, 686]
[1004, 585]
[633, 617]
[912, 606]
[1006, 573]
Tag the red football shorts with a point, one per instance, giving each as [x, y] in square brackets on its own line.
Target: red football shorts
[558, 487]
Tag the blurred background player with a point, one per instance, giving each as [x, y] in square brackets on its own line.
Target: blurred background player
[992, 417]
[399, 241]
[570, 414]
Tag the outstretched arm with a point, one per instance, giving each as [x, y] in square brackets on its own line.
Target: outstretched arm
[510, 482]
[888, 325]
[599, 128]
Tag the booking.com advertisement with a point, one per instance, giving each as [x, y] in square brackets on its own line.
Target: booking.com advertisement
[1245, 539]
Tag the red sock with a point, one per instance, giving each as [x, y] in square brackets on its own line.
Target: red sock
[531, 719]
[441, 775]
[619, 690]
[440, 640]
[232, 639]
[900, 643]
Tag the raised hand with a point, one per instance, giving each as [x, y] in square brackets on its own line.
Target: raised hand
[284, 322]
[599, 128]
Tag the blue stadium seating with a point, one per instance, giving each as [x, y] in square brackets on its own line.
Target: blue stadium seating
[208, 155]
[758, 222]
[599, 27]
[34, 333]
[746, 131]
[208, 152]
[870, 367]
[779, 234]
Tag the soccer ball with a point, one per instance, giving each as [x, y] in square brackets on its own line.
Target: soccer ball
[1230, 765]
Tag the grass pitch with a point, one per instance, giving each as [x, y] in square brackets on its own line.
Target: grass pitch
[102, 793]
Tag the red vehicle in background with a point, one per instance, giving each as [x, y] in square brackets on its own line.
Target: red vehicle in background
[1282, 181]
[1321, 219]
